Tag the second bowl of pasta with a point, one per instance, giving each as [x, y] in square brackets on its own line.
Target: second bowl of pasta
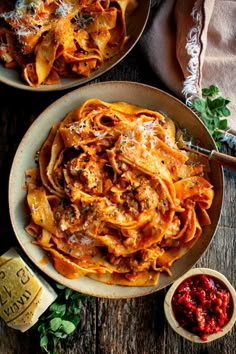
[118, 207]
[56, 45]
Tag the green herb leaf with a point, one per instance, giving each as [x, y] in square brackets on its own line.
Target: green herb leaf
[225, 111]
[55, 323]
[60, 335]
[68, 293]
[60, 286]
[44, 341]
[200, 105]
[211, 91]
[68, 326]
[212, 109]
[60, 319]
[223, 124]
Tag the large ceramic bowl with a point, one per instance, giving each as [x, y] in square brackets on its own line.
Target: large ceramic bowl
[135, 27]
[134, 93]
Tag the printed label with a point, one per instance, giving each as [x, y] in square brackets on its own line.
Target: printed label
[19, 289]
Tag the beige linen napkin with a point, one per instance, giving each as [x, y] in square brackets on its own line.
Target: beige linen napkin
[191, 44]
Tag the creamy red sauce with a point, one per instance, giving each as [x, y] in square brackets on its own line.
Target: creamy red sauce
[202, 305]
[43, 261]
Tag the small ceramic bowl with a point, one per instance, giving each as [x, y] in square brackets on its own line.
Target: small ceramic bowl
[172, 316]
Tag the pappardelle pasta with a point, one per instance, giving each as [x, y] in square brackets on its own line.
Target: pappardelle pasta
[51, 39]
[113, 197]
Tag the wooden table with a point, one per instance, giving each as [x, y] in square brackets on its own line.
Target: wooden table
[112, 326]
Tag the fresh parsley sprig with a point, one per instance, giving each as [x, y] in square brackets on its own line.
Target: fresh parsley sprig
[60, 319]
[212, 109]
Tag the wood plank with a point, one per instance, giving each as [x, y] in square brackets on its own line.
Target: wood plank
[112, 326]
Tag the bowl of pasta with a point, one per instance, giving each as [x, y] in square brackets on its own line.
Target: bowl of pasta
[56, 45]
[105, 200]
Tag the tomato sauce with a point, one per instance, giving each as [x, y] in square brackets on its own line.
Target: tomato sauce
[202, 305]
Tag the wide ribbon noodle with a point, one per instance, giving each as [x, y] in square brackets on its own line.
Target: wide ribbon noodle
[113, 196]
[50, 39]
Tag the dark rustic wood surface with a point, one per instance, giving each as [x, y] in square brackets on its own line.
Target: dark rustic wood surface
[112, 326]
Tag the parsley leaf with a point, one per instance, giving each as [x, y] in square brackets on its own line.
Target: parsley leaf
[213, 111]
[60, 319]
[211, 91]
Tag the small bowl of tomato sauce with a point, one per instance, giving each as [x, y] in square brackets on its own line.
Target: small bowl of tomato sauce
[201, 305]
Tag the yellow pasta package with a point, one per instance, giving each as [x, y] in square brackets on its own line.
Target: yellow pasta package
[24, 294]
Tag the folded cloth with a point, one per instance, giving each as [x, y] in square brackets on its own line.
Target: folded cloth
[191, 45]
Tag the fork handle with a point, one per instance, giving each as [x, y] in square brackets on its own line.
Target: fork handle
[225, 160]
